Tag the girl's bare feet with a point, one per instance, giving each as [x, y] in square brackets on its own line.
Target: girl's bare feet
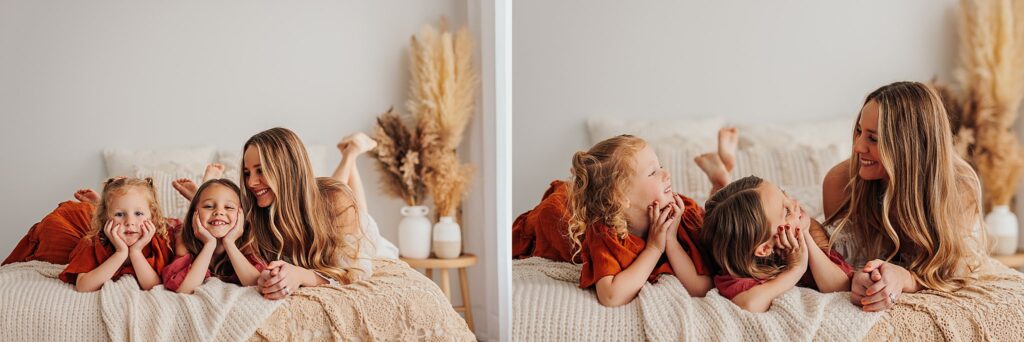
[728, 139]
[186, 187]
[356, 144]
[712, 165]
[213, 171]
[87, 196]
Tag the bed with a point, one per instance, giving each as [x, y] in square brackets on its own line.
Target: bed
[396, 304]
[547, 305]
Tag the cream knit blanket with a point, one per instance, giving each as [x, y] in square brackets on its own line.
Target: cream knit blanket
[547, 305]
[396, 304]
[38, 307]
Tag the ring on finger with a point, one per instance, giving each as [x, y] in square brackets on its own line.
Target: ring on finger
[892, 297]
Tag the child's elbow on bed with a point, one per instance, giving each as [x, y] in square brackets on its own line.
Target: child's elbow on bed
[611, 300]
[80, 287]
[750, 304]
[700, 289]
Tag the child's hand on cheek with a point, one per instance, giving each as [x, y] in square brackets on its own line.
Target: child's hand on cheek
[792, 242]
[657, 234]
[200, 231]
[148, 230]
[676, 209]
[805, 221]
[236, 229]
[113, 232]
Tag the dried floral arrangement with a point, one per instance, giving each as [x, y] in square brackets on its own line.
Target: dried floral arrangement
[398, 159]
[442, 94]
[991, 78]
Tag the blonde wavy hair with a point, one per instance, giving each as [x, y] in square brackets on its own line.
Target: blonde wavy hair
[313, 223]
[600, 179]
[118, 186]
[922, 216]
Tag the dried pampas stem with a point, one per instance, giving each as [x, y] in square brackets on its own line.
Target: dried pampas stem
[992, 75]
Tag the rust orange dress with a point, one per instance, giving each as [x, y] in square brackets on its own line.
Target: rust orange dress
[605, 254]
[90, 253]
[55, 236]
[544, 230]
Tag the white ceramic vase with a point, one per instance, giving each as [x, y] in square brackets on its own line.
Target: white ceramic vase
[414, 233]
[1002, 230]
[447, 238]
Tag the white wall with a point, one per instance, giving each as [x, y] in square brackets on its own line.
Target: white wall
[751, 61]
[76, 77]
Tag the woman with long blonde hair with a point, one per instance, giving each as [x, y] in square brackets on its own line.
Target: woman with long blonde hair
[904, 200]
[313, 231]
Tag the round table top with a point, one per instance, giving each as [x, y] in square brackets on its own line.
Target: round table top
[464, 260]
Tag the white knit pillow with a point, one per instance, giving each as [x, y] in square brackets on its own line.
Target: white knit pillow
[123, 162]
[172, 203]
[798, 170]
[700, 132]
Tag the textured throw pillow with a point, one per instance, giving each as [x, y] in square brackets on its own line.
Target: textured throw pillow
[699, 132]
[798, 170]
[123, 162]
[838, 132]
[172, 204]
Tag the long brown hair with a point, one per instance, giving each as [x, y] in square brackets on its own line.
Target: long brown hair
[312, 223]
[600, 178]
[922, 215]
[220, 266]
[735, 224]
[118, 186]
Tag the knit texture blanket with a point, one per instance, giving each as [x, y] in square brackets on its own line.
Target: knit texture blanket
[396, 304]
[36, 306]
[547, 305]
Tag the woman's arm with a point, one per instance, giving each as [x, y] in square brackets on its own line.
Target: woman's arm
[880, 283]
[197, 272]
[280, 279]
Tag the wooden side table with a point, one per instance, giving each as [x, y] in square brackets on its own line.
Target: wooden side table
[1012, 261]
[463, 261]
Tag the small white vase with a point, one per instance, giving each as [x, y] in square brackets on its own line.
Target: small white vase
[414, 233]
[1002, 230]
[447, 238]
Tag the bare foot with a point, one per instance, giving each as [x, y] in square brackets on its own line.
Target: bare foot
[87, 196]
[186, 187]
[712, 165]
[728, 139]
[356, 144]
[213, 171]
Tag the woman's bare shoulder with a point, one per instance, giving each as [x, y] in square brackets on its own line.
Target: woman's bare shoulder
[833, 188]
